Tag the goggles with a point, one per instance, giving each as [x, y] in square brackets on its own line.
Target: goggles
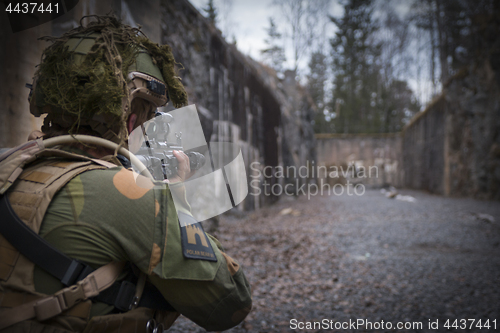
[147, 87]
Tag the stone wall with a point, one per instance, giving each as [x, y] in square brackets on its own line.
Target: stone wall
[472, 160]
[453, 148]
[423, 149]
[20, 52]
[369, 159]
[238, 99]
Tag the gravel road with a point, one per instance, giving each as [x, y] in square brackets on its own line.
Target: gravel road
[332, 261]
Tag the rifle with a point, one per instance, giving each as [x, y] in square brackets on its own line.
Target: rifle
[156, 152]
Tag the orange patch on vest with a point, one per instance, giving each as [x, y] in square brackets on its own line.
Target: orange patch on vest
[232, 265]
[131, 185]
[157, 208]
[155, 258]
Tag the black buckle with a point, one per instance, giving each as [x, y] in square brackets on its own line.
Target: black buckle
[125, 296]
[72, 273]
[86, 271]
[75, 272]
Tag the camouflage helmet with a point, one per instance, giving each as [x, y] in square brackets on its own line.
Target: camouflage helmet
[90, 75]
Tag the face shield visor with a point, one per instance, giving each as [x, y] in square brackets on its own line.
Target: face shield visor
[219, 182]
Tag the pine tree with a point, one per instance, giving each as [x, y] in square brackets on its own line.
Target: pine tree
[273, 54]
[453, 27]
[398, 105]
[355, 67]
[316, 80]
[211, 11]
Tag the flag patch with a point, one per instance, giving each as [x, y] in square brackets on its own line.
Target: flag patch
[195, 243]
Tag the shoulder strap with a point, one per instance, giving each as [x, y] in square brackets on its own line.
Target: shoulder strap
[123, 296]
[17, 232]
[51, 306]
[37, 249]
[13, 161]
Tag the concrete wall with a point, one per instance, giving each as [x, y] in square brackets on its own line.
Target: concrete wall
[453, 148]
[20, 52]
[378, 155]
[238, 99]
[424, 149]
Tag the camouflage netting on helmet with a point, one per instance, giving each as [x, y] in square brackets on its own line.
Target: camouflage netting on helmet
[76, 93]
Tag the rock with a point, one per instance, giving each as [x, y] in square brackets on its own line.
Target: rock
[286, 211]
[391, 194]
[485, 218]
[407, 198]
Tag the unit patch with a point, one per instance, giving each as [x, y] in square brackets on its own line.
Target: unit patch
[195, 243]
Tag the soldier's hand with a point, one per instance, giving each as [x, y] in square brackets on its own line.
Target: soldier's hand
[183, 168]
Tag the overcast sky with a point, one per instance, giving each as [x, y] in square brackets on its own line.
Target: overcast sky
[247, 21]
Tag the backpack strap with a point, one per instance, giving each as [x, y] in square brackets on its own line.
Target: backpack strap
[51, 306]
[22, 234]
[124, 296]
[37, 249]
[18, 157]
[14, 160]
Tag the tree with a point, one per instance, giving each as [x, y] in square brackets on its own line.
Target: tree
[273, 54]
[303, 18]
[452, 26]
[395, 101]
[316, 81]
[225, 19]
[398, 105]
[356, 81]
[211, 11]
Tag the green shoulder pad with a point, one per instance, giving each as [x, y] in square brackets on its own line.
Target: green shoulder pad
[187, 262]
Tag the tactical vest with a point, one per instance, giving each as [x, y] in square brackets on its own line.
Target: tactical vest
[30, 175]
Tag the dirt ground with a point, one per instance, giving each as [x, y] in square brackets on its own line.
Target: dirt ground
[330, 262]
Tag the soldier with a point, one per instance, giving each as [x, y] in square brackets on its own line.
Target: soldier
[104, 80]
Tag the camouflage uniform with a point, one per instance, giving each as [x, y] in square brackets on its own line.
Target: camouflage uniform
[103, 215]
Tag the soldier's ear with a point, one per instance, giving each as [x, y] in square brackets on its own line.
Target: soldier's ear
[35, 135]
[131, 122]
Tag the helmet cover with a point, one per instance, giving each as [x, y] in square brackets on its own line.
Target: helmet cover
[89, 76]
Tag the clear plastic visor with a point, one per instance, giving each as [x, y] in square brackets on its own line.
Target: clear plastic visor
[219, 181]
